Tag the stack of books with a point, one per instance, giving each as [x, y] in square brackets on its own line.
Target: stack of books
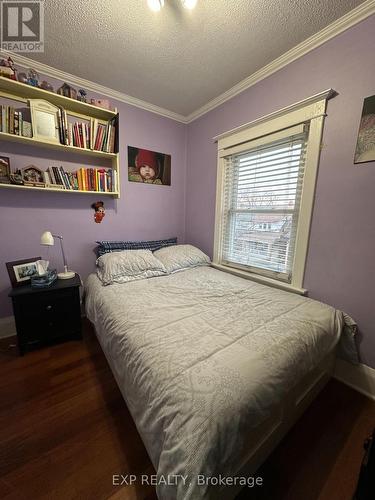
[15, 121]
[85, 179]
[97, 179]
[88, 135]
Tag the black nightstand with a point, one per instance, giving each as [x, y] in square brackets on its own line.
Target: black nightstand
[47, 315]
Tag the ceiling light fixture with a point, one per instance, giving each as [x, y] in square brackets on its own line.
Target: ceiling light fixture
[189, 4]
[155, 5]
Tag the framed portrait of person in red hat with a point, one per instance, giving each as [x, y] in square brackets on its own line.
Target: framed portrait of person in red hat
[149, 167]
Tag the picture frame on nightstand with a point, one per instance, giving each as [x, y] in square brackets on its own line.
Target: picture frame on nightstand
[20, 271]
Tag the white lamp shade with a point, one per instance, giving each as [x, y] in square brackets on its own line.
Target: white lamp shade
[47, 239]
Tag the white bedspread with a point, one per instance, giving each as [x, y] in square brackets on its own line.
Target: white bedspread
[202, 357]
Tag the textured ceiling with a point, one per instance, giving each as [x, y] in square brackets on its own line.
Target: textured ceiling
[175, 58]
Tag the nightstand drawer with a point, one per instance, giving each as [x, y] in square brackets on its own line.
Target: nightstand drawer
[43, 307]
[51, 314]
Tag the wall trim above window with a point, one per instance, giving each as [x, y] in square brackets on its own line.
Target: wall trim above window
[246, 172]
[314, 111]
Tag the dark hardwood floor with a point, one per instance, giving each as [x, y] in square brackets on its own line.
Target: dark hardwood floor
[65, 430]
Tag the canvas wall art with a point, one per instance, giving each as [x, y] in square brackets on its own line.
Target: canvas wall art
[365, 149]
[149, 167]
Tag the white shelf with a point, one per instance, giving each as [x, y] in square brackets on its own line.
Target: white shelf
[115, 194]
[4, 136]
[24, 92]
[10, 89]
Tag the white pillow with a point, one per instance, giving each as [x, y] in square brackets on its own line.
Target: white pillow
[180, 257]
[128, 265]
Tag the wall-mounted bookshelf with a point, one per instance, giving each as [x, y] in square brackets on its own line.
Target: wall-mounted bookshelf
[24, 92]
[20, 92]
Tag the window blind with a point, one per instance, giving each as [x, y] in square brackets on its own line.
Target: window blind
[262, 194]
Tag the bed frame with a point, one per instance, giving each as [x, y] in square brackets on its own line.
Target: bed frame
[266, 437]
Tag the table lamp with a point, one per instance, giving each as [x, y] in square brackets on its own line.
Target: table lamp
[48, 240]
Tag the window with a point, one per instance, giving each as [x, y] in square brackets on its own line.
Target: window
[265, 192]
[262, 194]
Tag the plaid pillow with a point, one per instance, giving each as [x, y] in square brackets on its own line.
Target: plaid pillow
[117, 246]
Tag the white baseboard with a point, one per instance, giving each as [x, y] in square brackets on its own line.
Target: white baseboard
[7, 327]
[359, 377]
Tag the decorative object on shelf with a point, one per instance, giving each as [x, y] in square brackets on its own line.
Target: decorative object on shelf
[67, 91]
[20, 271]
[46, 86]
[47, 239]
[7, 68]
[32, 78]
[16, 178]
[33, 176]
[99, 214]
[45, 120]
[149, 167]
[22, 77]
[101, 103]
[365, 149]
[4, 170]
[82, 95]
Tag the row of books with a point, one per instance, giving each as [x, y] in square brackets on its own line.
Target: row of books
[85, 179]
[15, 121]
[88, 135]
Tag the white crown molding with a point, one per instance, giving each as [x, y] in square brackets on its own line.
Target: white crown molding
[325, 95]
[44, 69]
[345, 22]
[359, 377]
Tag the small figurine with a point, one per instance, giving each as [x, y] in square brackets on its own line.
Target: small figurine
[67, 91]
[12, 67]
[7, 68]
[101, 103]
[99, 211]
[46, 86]
[32, 78]
[16, 178]
[82, 95]
[22, 77]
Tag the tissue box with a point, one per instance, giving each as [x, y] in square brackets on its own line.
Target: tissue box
[45, 280]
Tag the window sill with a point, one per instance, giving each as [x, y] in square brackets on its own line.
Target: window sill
[260, 279]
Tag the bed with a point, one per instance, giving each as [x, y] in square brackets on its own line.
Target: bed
[214, 369]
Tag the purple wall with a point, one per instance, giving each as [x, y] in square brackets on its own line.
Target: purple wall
[340, 268]
[142, 212]
[341, 261]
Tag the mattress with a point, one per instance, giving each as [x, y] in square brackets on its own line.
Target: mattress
[204, 358]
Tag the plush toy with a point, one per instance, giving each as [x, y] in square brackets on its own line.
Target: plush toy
[99, 211]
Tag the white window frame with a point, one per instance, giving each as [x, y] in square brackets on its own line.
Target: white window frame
[310, 111]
